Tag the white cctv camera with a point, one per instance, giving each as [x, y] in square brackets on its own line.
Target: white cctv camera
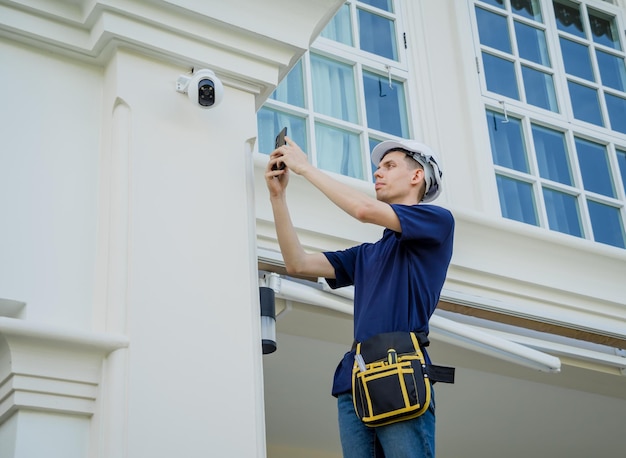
[202, 87]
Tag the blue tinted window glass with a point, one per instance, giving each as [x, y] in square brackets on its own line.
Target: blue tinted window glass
[507, 144]
[340, 27]
[382, 4]
[270, 122]
[612, 70]
[568, 19]
[334, 92]
[498, 3]
[607, 224]
[594, 167]
[493, 30]
[377, 35]
[576, 59]
[527, 8]
[585, 103]
[621, 161]
[531, 43]
[616, 107]
[563, 214]
[552, 157]
[539, 88]
[338, 151]
[291, 89]
[500, 76]
[604, 31]
[517, 200]
[385, 106]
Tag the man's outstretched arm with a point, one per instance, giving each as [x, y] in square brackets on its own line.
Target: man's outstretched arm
[357, 204]
[297, 260]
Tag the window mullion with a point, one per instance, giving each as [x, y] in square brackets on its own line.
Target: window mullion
[354, 17]
[310, 119]
[578, 183]
[364, 137]
[560, 77]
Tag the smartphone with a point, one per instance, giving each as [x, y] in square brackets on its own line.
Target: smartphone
[280, 141]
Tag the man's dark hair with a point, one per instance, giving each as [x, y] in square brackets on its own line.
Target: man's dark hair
[413, 164]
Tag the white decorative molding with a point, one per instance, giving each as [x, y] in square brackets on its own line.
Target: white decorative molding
[51, 368]
[245, 50]
[11, 308]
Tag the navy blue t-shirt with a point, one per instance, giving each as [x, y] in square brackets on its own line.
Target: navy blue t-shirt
[397, 280]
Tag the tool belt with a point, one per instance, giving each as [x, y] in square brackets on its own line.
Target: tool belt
[390, 378]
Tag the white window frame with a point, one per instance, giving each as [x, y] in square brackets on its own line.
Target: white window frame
[563, 121]
[361, 61]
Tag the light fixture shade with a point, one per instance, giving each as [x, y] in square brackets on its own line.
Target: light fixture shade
[268, 319]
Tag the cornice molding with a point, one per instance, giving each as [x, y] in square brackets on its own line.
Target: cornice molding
[51, 368]
[250, 50]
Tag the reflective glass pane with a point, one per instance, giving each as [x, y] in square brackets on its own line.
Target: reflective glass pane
[517, 200]
[334, 93]
[552, 156]
[527, 8]
[270, 122]
[576, 59]
[377, 35]
[594, 167]
[507, 143]
[338, 151]
[539, 88]
[291, 89]
[585, 103]
[603, 30]
[493, 30]
[498, 3]
[612, 70]
[340, 27]
[621, 161]
[385, 106]
[616, 107]
[382, 4]
[500, 76]
[568, 18]
[531, 43]
[607, 224]
[563, 214]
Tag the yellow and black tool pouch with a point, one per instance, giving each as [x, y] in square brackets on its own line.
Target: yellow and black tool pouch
[390, 378]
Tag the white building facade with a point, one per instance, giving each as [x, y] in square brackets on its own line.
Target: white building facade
[137, 225]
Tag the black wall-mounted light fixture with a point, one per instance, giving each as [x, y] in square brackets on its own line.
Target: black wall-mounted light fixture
[268, 319]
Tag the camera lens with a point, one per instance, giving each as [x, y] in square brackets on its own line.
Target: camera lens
[206, 93]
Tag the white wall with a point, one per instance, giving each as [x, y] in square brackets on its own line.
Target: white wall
[50, 129]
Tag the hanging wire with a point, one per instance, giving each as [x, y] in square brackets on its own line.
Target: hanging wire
[506, 116]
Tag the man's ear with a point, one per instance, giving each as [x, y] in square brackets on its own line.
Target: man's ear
[418, 174]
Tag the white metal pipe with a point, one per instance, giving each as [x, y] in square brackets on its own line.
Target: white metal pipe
[613, 360]
[301, 293]
[490, 344]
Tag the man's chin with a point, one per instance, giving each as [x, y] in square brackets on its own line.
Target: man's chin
[381, 197]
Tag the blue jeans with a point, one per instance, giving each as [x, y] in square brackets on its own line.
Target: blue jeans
[406, 439]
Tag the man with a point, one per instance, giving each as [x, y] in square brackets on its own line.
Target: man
[397, 280]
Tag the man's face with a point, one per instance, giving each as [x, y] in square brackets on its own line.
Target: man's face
[396, 181]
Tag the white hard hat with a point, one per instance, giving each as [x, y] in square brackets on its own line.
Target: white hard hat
[422, 154]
